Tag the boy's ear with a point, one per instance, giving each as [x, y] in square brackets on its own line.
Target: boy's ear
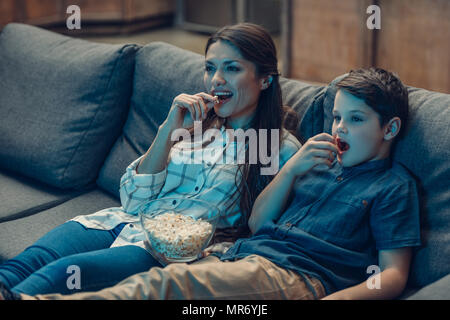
[392, 129]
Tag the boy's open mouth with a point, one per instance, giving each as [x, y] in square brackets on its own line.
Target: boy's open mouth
[342, 145]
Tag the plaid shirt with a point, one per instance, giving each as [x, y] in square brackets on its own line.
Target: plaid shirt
[213, 179]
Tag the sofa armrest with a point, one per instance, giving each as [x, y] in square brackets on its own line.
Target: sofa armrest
[439, 290]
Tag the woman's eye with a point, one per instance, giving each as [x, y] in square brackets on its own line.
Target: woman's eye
[337, 118]
[356, 119]
[208, 68]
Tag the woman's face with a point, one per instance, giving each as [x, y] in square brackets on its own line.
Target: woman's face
[234, 80]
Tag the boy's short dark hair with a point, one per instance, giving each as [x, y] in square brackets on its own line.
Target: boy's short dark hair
[381, 90]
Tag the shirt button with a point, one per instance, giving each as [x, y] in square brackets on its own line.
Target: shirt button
[365, 203]
[288, 224]
[339, 178]
[196, 188]
[174, 202]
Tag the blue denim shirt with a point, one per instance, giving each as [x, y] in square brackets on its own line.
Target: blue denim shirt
[337, 222]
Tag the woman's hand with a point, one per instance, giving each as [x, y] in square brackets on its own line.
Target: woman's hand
[318, 152]
[221, 247]
[184, 110]
[188, 108]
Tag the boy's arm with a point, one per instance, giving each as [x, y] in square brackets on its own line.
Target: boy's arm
[318, 151]
[272, 200]
[394, 265]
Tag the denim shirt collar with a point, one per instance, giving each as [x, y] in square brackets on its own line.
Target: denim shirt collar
[368, 166]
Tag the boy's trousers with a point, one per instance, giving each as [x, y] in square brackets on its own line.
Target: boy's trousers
[253, 277]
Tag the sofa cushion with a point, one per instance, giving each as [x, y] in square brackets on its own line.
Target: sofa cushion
[425, 151]
[162, 72]
[18, 234]
[21, 196]
[63, 102]
[439, 290]
[306, 100]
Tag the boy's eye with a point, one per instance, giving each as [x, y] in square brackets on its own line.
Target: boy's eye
[208, 68]
[233, 68]
[356, 119]
[337, 118]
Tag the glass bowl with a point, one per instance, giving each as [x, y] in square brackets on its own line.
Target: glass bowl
[178, 229]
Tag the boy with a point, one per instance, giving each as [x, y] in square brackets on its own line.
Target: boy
[335, 210]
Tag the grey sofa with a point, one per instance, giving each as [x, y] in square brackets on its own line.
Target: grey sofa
[74, 114]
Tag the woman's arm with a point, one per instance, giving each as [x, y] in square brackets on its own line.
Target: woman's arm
[155, 159]
[135, 185]
[394, 265]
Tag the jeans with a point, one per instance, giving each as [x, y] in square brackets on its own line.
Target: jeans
[250, 278]
[72, 258]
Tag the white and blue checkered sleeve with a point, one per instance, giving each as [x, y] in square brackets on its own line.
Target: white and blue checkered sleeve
[136, 189]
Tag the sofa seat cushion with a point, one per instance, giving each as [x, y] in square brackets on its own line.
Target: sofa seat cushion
[21, 196]
[425, 151]
[18, 234]
[63, 102]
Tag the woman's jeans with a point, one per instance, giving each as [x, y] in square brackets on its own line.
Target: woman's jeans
[72, 258]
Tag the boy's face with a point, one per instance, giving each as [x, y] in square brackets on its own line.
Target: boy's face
[357, 131]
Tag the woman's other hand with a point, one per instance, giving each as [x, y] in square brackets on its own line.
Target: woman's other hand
[220, 248]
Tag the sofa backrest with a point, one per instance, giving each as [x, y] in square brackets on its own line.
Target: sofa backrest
[425, 151]
[163, 71]
[63, 102]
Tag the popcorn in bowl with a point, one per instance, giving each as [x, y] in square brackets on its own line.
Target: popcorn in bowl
[178, 229]
[177, 235]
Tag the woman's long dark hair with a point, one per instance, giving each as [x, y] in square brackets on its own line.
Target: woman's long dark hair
[255, 45]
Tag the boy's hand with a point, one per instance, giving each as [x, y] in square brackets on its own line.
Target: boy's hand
[318, 152]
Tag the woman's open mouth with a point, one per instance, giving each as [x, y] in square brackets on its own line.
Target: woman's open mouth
[223, 96]
[342, 145]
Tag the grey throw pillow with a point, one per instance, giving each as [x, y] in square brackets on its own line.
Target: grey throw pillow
[63, 103]
[162, 72]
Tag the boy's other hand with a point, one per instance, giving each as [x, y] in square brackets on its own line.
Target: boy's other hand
[318, 152]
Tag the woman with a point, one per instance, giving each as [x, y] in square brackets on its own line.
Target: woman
[242, 92]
